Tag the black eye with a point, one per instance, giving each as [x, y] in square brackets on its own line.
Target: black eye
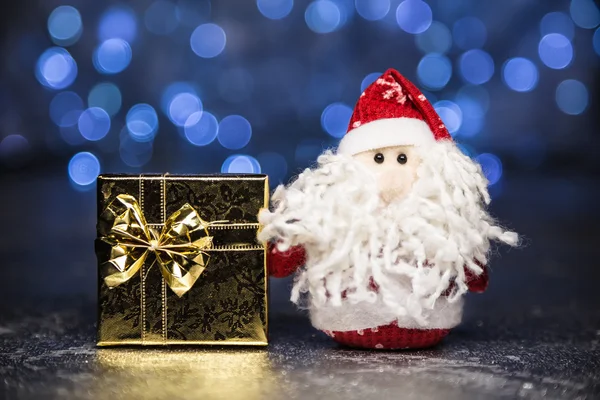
[379, 158]
[402, 159]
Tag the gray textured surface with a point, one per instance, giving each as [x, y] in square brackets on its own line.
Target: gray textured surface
[534, 334]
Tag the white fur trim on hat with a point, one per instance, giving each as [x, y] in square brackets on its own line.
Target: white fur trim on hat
[386, 132]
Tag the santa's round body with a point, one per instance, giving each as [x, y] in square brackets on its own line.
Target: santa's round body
[386, 235]
[365, 325]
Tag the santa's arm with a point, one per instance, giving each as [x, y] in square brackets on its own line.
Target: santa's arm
[284, 263]
[477, 283]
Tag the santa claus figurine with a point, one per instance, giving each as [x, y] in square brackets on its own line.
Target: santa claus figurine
[389, 232]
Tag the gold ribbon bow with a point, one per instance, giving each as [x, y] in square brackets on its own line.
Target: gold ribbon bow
[179, 248]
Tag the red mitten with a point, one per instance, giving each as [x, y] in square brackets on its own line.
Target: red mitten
[282, 264]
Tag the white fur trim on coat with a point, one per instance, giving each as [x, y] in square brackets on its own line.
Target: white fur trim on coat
[352, 317]
[386, 132]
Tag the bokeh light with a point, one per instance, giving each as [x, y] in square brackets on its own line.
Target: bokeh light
[182, 106]
[275, 9]
[64, 25]
[372, 10]
[201, 128]
[370, 78]
[557, 22]
[112, 56]
[555, 51]
[323, 16]
[469, 33]
[70, 133]
[450, 113]
[161, 18]
[106, 96]
[84, 168]
[240, 164]
[208, 40]
[347, 10]
[476, 66]
[14, 151]
[473, 101]
[585, 13]
[335, 119]
[142, 122]
[173, 90]
[491, 166]
[436, 39]
[434, 71]
[234, 132]
[192, 13]
[118, 22]
[65, 108]
[56, 69]
[520, 74]
[94, 124]
[572, 97]
[274, 165]
[413, 16]
[133, 153]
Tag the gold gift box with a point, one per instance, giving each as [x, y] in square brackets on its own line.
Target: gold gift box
[179, 262]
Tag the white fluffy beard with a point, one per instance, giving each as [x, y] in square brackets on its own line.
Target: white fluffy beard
[412, 248]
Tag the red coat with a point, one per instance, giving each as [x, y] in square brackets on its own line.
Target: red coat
[282, 264]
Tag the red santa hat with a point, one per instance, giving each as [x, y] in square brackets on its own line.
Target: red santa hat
[392, 112]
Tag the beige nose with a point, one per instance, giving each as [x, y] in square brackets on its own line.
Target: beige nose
[391, 186]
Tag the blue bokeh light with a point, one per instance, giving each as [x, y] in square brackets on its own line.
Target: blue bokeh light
[372, 10]
[161, 17]
[70, 133]
[14, 150]
[240, 164]
[323, 16]
[133, 153]
[183, 105]
[473, 114]
[275, 9]
[434, 71]
[520, 74]
[192, 13]
[555, 51]
[476, 66]
[491, 166]
[84, 168]
[201, 128]
[208, 40]
[413, 16]
[106, 96]
[173, 90]
[585, 13]
[557, 22]
[450, 113]
[370, 78]
[94, 123]
[64, 25]
[65, 108]
[56, 69]
[436, 39]
[142, 122]
[118, 22]
[479, 94]
[572, 97]
[112, 56]
[235, 132]
[469, 33]
[335, 119]
[274, 165]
